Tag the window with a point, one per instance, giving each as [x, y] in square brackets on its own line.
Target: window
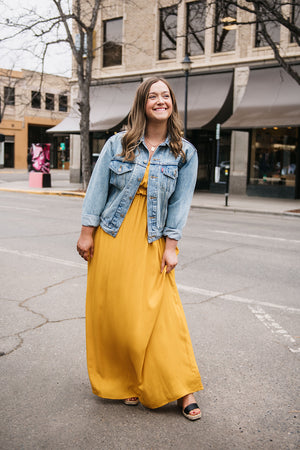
[63, 103]
[49, 101]
[35, 99]
[168, 32]
[195, 28]
[265, 26]
[112, 42]
[225, 27]
[9, 96]
[295, 19]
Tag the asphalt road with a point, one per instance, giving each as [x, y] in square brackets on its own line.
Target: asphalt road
[238, 278]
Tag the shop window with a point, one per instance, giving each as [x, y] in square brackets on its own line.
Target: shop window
[9, 95]
[112, 42]
[168, 32]
[195, 28]
[265, 25]
[49, 102]
[295, 19]
[225, 27]
[35, 99]
[63, 103]
[273, 156]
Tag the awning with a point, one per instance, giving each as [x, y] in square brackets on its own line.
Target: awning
[110, 104]
[272, 98]
[209, 98]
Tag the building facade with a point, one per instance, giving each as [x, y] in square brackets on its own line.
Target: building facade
[31, 103]
[234, 83]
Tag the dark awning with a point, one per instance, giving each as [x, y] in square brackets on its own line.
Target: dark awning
[110, 104]
[209, 98]
[272, 98]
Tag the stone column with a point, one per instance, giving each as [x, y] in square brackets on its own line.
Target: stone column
[239, 139]
[74, 158]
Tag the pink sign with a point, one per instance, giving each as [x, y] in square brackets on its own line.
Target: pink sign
[40, 157]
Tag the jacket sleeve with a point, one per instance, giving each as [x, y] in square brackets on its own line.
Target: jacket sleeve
[97, 191]
[180, 201]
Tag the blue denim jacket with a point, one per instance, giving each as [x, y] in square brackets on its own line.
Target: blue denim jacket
[114, 183]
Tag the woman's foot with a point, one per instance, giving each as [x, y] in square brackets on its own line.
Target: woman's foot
[190, 409]
[131, 401]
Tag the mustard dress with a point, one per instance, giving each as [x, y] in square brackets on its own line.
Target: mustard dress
[138, 343]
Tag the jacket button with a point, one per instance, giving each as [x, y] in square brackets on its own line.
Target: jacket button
[119, 170]
[139, 179]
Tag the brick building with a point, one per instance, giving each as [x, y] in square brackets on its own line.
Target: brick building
[234, 81]
[31, 105]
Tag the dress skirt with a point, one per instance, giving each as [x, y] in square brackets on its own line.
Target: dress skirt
[138, 343]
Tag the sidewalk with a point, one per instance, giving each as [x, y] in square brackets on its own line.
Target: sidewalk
[17, 181]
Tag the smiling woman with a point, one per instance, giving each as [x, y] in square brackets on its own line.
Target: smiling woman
[137, 202]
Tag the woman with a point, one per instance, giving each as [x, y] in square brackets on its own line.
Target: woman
[137, 202]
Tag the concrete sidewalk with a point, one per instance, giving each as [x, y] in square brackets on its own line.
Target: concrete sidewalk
[17, 181]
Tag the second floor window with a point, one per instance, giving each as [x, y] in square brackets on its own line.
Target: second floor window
[295, 19]
[225, 27]
[49, 101]
[195, 28]
[266, 27]
[63, 103]
[9, 95]
[35, 99]
[168, 32]
[112, 42]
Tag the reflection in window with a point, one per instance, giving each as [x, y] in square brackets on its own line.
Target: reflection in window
[265, 25]
[63, 103]
[168, 32]
[225, 27]
[9, 95]
[112, 42]
[195, 27]
[35, 99]
[295, 19]
[273, 156]
[49, 102]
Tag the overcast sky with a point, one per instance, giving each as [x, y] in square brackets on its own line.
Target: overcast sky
[21, 52]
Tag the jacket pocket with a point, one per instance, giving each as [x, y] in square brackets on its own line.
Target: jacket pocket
[120, 173]
[168, 178]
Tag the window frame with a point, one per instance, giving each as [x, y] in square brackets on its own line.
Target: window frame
[108, 45]
[49, 102]
[36, 99]
[62, 107]
[174, 49]
[218, 25]
[9, 98]
[187, 26]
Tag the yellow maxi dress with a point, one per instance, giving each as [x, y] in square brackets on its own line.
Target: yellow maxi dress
[138, 343]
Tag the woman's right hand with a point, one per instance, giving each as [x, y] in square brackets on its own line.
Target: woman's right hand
[85, 244]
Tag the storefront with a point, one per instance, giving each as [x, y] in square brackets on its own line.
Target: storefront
[270, 113]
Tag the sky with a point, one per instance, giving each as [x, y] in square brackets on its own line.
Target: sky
[21, 52]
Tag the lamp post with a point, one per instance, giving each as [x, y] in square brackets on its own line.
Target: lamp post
[186, 65]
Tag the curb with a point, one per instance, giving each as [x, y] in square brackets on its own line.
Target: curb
[61, 193]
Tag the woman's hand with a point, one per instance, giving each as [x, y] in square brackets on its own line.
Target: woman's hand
[169, 258]
[85, 244]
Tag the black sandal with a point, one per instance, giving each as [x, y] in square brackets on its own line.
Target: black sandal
[186, 411]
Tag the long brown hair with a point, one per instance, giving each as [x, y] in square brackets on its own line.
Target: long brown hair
[137, 122]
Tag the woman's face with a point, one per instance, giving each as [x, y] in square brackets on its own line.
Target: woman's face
[159, 105]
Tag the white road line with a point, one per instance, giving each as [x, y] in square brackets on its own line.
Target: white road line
[273, 326]
[234, 298]
[19, 208]
[43, 258]
[257, 236]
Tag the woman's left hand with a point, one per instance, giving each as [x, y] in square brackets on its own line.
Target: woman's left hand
[169, 258]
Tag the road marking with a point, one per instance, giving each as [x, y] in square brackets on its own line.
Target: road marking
[43, 258]
[234, 298]
[257, 236]
[19, 208]
[273, 326]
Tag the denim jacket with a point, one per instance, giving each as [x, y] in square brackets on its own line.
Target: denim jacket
[114, 183]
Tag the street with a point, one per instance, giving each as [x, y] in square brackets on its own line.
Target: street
[238, 277]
